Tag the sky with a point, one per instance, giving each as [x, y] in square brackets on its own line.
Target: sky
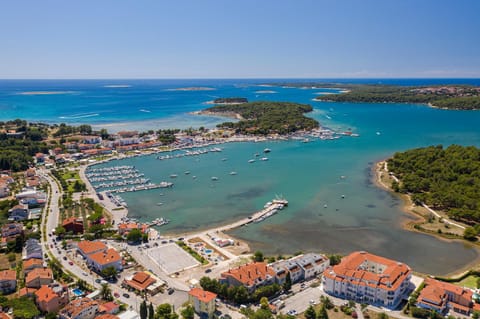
[239, 39]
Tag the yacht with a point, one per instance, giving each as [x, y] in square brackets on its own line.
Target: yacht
[264, 159]
[173, 176]
[251, 161]
[267, 150]
[214, 178]
[233, 173]
[187, 172]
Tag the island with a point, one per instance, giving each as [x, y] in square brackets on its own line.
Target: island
[265, 117]
[457, 97]
[230, 100]
[443, 185]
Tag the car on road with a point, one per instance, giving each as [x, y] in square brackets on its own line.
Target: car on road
[98, 280]
[313, 302]
[208, 270]
[70, 263]
[126, 295]
[64, 257]
[164, 241]
[84, 273]
[116, 294]
[170, 291]
[292, 312]
[51, 245]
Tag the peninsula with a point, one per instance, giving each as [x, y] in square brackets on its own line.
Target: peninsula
[455, 97]
[265, 117]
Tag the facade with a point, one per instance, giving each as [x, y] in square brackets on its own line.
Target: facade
[368, 278]
[442, 297]
[8, 281]
[104, 259]
[203, 302]
[140, 281]
[302, 267]
[83, 308]
[74, 225]
[38, 277]
[251, 276]
[51, 299]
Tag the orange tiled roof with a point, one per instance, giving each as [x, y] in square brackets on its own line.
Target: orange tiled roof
[88, 247]
[355, 267]
[39, 273]
[25, 291]
[248, 274]
[140, 281]
[45, 294]
[3, 315]
[32, 262]
[434, 288]
[107, 316]
[107, 257]
[72, 220]
[8, 275]
[77, 306]
[202, 295]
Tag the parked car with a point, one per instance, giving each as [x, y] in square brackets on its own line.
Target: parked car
[64, 257]
[126, 295]
[116, 294]
[70, 263]
[170, 291]
[97, 280]
[208, 270]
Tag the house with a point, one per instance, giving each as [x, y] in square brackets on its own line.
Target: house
[74, 225]
[27, 292]
[311, 264]
[18, 212]
[11, 231]
[51, 299]
[203, 302]
[109, 308]
[4, 190]
[281, 268]
[38, 277]
[107, 316]
[30, 172]
[140, 281]
[32, 249]
[252, 276]
[4, 315]
[442, 297]
[86, 247]
[8, 281]
[125, 228]
[32, 263]
[367, 278]
[104, 259]
[83, 308]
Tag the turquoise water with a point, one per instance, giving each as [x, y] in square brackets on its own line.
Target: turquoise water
[307, 174]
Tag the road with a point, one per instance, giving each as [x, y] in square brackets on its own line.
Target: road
[51, 222]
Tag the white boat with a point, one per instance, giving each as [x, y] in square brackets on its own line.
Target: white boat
[251, 161]
[224, 159]
[187, 172]
[165, 184]
[267, 150]
[264, 159]
[233, 173]
[159, 204]
[257, 154]
[214, 178]
[173, 176]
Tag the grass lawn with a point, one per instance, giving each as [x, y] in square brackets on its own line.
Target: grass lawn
[470, 282]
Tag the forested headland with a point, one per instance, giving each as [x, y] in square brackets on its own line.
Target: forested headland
[446, 179]
[449, 96]
[266, 117]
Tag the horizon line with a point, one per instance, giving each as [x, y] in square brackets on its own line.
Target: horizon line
[248, 78]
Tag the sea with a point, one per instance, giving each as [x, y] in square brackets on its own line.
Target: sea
[333, 205]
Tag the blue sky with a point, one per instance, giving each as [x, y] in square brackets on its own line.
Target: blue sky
[239, 39]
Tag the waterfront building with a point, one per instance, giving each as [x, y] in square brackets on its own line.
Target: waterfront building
[311, 264]
[252, 276]
[8, 281]
[203, 302]
[367, 278]
[83, 308]
[442, 297]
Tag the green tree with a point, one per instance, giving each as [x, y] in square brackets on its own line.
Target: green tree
[470, 233]
[143, 310]
[287, 285]
[165, 311]
[106, 292]
[23, 308]
[310, 313]
[382, 315]
[109, 272]
[476, 314]
[188, 312]
[264, 303]
[51, 315]
[335, 259]
[134, 236]
[151, 311]
[258, 256]
[60, 231]
[322, 313]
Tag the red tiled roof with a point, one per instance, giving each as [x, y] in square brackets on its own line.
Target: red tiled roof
[45, 294]
[8, 275]
[107, 316]
[25, 291]
[88, 247]
[109, 306]
[32, 262]
[248, 274]
[107, 257]
[354, 267]
[44, 273]
[202, 295]
[140, 281]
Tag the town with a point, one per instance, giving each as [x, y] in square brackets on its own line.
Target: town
[70, 252]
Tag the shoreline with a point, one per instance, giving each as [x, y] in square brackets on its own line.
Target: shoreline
[231, 115]
[408, 207]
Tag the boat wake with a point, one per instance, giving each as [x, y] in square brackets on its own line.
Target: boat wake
[79, 116]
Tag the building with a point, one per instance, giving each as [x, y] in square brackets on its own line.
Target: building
[107, 316]
[10, 232]
[368, 278]
[51, 299]
[8, 281]
[125, 228]
[282, 267]
[32, 263]
[83, 308]
[18, 212]
[38, 277]
[442, 297]
[109, 308]
[27, 292]
[104, 259]
[252, 276]
[311, 264]
[74, 225]
[86, 247]
[203, 302]
[32, 249]
[140, 281]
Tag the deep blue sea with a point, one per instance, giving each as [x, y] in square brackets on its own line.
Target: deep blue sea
[307, 174]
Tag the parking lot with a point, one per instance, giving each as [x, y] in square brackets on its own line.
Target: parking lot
[171, 258]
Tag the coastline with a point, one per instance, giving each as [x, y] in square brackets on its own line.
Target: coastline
[231, 115]
[409, 208]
